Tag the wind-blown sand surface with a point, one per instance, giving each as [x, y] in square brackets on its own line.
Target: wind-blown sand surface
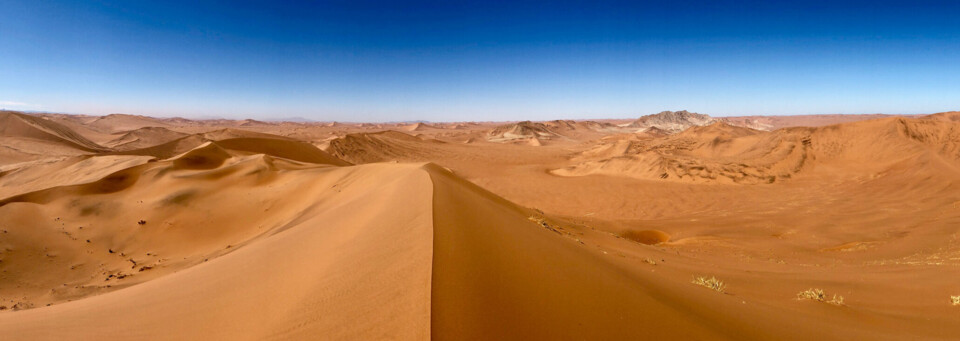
[138, 228]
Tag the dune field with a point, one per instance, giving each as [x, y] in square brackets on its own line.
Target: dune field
[675, 225]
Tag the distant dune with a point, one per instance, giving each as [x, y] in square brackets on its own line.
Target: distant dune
[143, 137]
[380, 147]
[724, 153]
[777, 122]
[25, 137]
[115, 123]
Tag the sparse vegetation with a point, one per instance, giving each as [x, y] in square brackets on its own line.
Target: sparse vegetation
[819, 296]
[712, 283]
[955, 300]
[543, 223]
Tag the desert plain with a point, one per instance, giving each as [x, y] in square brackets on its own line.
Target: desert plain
[671, 226]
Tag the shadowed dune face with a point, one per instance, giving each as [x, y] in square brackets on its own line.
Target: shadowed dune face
[233, 234]
[648, 237]
[496, 275]
[207, 156]
[112, 183]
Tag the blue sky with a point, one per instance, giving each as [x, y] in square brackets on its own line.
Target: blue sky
[451, 61]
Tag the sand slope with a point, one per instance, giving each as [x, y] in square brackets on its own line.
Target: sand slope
[291, 266]
[25, 137]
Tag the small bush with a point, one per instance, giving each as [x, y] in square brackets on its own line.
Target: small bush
[955, 300]
[712, 283]
[819, 296]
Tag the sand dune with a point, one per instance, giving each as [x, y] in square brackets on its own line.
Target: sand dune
[777, 122]
[250, 122]
[725, 153]
[952, 116]
[143, 138]
[31, 176]
[380, 147]
[115, 123]
[419, 126]
[78, 124]
[242, 141]
[240, 261]
[25, 137]
[234, 234]
[25, 126]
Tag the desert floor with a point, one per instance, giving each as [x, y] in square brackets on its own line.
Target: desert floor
[820, 227]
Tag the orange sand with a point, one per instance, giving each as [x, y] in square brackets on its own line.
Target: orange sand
[137, 228]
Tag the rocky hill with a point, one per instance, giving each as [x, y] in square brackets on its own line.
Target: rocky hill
[672, 121]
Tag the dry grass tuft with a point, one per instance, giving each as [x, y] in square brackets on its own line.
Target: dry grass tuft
[543, 223]
[955, 300]
[819, 296]
[712, 283]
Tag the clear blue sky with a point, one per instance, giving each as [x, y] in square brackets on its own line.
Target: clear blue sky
[448, 61]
